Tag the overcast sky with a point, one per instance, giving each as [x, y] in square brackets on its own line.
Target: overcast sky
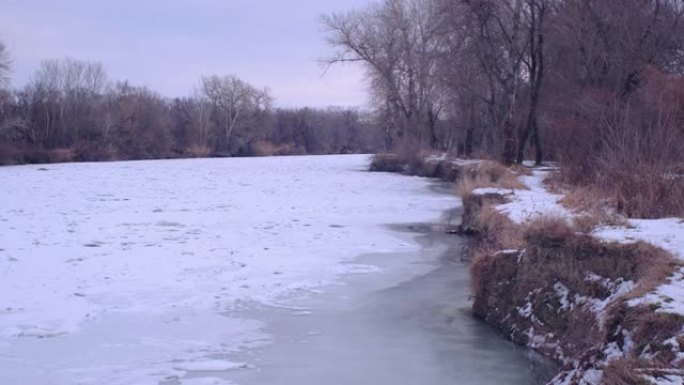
[168, 44]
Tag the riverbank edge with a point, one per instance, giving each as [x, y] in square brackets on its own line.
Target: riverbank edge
[566, 294]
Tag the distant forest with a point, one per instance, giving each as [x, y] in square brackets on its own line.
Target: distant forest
[71, 111]
[594, 85]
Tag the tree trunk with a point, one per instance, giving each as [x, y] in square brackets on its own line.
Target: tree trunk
[538, 153]
[508, 154]
[432, 123]
[470, 131]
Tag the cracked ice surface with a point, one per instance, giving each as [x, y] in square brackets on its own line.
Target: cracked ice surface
[131, 272]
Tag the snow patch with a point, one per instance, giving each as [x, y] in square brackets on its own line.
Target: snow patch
[562, 292]
[526, 205]
[212, 366]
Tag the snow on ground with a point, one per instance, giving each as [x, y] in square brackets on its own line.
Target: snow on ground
[527, 204]
[666, 233]
[673, 379]
[455, 161]
[128, 273]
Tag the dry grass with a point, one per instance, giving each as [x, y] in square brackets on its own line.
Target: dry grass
[640, 193]
[586, 198]
[623, 372]
[590, 221]
[498, 232]
[654, 267]
[594, 207]
[491, 174]
[549, 228]
[554, 183]
[649, 331]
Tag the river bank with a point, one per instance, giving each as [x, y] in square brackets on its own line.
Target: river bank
[602, 300]
[409, 324]
[203, 271]
[598, 293]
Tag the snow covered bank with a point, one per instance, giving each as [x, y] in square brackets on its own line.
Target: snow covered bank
[608, 305]
[123, 273]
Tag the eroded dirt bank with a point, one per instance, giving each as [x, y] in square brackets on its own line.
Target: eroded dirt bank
[574, 298]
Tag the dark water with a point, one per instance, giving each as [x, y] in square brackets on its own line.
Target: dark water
[407, 325]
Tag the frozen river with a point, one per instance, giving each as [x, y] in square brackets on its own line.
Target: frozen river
[302, 270]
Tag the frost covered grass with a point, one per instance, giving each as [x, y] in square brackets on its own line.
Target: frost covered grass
[143, 264]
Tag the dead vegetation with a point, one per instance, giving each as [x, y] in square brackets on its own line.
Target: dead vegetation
[516, 266]
[420, 163]
[491, 174]
[593, 206]
[629, 151]
[623, 372]
[498, 232]
[552, 229]
[654, 267]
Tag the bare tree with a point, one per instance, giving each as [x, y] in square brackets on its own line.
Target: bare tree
[498, 41]
[535, 24]
[67, 91]
[4, 64]
[398, 42]
[142, 122]
[233, 101]
[613, 41]
[200, 115]
[464, 86]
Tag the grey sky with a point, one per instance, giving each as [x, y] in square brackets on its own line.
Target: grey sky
[168, 44]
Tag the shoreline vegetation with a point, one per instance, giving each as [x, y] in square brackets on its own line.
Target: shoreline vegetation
[597, 292]
[578, 254]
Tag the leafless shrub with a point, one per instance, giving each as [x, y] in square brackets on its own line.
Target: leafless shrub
[632, 150]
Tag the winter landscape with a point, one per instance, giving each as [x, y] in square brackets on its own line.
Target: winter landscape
[342, 192]
[119, 274]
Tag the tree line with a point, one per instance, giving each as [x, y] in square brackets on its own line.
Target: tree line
[497, 76]
[71, 111]
[593, 84]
